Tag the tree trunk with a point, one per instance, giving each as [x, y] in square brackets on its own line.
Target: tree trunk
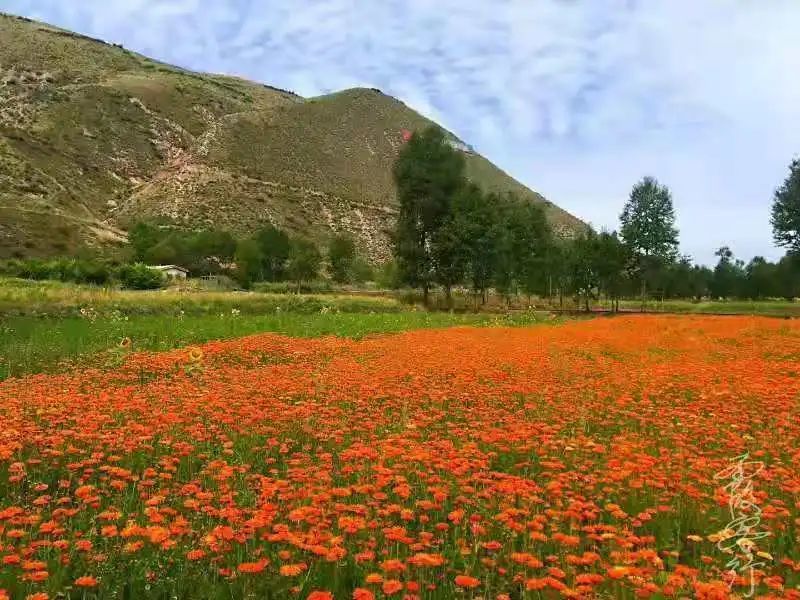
[425, 294]
[644, 291]
[448, 294]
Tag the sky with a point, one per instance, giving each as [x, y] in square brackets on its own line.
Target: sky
[576, 99]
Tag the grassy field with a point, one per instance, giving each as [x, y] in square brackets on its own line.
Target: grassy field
[775, 308]
[50, 326]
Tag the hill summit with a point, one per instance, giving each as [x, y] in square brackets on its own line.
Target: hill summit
[94, 137]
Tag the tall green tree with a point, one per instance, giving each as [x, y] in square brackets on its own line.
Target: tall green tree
[477, 219]
[304, 261]
[428, 174]
[611, 259]
[729, 275]
[248, 262]
[142, 237]
[524, 238]
[785, 216]
[449, 256]
[648, 228]
[342, 256]
[761, 279]
[582, 258]
[274, 246]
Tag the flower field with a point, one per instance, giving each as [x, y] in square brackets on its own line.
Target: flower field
[601, 458]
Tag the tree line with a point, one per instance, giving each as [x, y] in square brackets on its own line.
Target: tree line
[451, 233]
[269, 255]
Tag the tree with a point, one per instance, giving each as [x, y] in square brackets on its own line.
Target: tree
[729, 275]
[761, 279]
[582, 258]
[524, 236]
[787, 273]
[428, 173]
[448, 254]
[611, 259]
[248, 262]
[142, 237]
[477, 219]
[785, 218]
[648, 227]
[304, 261]
[274, 246]
[342, 255]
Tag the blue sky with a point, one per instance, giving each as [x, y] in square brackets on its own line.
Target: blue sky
[577, 99]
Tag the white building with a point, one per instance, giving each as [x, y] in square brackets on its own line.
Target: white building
[171, 271]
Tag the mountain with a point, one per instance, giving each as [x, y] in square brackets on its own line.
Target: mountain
[94, 137]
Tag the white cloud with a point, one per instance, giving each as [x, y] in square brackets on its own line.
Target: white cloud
[576, 99]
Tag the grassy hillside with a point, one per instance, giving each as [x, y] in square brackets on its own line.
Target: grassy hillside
[93, 137]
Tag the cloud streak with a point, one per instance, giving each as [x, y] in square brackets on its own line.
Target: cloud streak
[576, 99]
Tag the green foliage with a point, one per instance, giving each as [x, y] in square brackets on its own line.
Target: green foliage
[785, 217]
[274, 247]
[61, 269]
[362, 271]
[428, 173]
[139, 276]
[388, 276]
[201, 252]
[304, 261]
[610, 261]
[648, 221]
[648, 228]
[523, 237]
[729, 276]
[478, 221]
[249, 262]
[342, 256]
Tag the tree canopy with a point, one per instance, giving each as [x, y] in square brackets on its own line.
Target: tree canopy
[785, 217]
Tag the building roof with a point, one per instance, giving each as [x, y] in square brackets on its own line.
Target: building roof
[168, 268]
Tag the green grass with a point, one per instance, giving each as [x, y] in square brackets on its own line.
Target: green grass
[33, 344]
[775, 308]
[48, 326]
[20, 297]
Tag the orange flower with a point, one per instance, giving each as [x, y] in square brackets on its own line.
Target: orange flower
[292, 570]
[362, 594]
[465, 581]
[86, 581]
[391, 586]
[253, 567]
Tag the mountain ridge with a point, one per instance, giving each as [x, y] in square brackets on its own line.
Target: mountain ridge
[94, 137]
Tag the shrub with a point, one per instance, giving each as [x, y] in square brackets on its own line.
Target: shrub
[139, 277]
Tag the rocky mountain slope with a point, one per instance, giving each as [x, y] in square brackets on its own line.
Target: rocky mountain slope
[94, 137]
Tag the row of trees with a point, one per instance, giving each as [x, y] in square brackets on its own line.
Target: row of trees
[449, 232]
[270, 254]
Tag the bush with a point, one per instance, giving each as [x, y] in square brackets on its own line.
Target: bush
[139, 277]
[362, 271]
[60, 269]
[388, 276]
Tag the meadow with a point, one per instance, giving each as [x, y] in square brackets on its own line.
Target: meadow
[52, 326]
[628, 457]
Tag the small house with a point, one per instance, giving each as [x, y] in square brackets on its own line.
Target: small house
[171, 271]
